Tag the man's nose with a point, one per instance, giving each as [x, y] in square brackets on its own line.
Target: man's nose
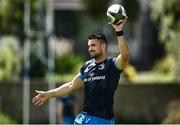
[90, 48]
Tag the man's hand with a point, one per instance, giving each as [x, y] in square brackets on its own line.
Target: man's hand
[41, 98]
[123, 57]
[119, 27]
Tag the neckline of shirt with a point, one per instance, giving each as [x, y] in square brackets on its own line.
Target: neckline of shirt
[101, 61]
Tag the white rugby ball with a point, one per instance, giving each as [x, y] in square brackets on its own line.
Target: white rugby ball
[116, 14]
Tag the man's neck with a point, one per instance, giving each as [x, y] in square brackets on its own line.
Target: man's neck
[101, 59]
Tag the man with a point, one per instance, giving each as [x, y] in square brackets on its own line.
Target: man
[99, 77]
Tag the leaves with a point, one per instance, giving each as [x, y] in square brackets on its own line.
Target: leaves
[165, 13]
[11, 17]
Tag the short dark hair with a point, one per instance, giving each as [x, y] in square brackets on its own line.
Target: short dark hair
[98, 36]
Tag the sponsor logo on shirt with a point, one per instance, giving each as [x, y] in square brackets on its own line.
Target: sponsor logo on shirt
[94, 78]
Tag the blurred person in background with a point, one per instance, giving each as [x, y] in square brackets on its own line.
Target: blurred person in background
[99, 77]
[66, 109]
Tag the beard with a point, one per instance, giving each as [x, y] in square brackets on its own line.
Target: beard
[95, 55]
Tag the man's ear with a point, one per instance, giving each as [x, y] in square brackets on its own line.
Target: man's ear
[104, 46]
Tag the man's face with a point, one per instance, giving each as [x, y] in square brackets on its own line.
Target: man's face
[95, 48]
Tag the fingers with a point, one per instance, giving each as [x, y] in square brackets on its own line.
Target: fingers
[38, 103]
[125, 20]
[35, 99]
[41, 103]
[39, 99]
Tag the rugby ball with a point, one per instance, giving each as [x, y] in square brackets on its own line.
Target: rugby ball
[116, 14]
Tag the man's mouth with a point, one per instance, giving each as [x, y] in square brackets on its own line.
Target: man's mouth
[92, 51]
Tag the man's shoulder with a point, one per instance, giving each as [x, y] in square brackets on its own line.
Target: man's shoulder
[111, 59]
[88, 62]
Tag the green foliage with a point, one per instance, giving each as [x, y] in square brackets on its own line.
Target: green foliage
[165, 65]
[163, 72]
[130, 73]
[5, 119]
[9, 59]
[153, 77]
[166, 14]
[68, 63]
[63, 78]
[11, 17]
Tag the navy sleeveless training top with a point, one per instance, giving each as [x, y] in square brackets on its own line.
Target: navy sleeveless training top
[101, 80]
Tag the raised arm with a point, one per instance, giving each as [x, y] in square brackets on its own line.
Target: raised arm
[64, 89]
[123, 57]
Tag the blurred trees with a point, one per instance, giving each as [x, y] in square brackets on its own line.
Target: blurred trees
[9, 58]
[166, 14]
[68, 63]
[12, 24]
[96, 8]
[11, 17]
[12, 14]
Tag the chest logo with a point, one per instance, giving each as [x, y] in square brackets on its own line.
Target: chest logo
[101, 67]
[90, 67]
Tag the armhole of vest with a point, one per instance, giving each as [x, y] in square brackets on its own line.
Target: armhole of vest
[81, 76]
[117, 68]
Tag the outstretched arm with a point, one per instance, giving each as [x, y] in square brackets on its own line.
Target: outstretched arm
[65, 89]
[123, 57]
